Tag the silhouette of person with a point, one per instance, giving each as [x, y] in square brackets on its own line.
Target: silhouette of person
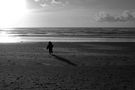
[50, 47]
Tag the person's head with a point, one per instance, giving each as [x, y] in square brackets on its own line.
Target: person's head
[50, 42]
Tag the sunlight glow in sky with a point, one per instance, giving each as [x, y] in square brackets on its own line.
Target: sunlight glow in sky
[67, 13]
[11, 11]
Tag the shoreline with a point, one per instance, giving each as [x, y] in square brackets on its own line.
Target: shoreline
[66, 39]
[34, 42]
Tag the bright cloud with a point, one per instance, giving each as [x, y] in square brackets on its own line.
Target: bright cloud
[126, 16]
[44, 3]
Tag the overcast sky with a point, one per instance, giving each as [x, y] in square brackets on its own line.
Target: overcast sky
[79, 13]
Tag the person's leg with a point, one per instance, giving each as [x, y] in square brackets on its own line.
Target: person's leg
[50, 51]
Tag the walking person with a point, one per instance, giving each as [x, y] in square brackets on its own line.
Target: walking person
[50, 47]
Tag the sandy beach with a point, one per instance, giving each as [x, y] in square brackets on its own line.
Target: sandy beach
[74, 66]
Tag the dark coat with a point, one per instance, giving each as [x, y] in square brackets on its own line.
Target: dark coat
[49, 46]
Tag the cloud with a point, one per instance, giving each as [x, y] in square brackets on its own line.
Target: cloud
[37, 0]
[126, 16]
[56, 2]
[44, 3]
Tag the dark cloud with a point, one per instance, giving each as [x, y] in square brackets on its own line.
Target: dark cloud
[127, 16]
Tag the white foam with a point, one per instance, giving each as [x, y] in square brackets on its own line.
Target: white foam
[75, 39]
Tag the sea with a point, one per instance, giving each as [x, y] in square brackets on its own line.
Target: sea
[72, 34]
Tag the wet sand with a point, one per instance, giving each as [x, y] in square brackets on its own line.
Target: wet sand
[74, 66]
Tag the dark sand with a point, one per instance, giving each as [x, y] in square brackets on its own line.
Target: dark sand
[75, 66]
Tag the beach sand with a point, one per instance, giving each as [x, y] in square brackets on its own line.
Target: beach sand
[74, 66]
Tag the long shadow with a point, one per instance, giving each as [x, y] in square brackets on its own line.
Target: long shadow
[64, 60]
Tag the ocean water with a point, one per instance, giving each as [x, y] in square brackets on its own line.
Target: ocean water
[68, 34]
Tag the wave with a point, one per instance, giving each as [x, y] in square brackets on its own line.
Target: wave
[73, 34]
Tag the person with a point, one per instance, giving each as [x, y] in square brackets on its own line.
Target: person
[50, 47]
